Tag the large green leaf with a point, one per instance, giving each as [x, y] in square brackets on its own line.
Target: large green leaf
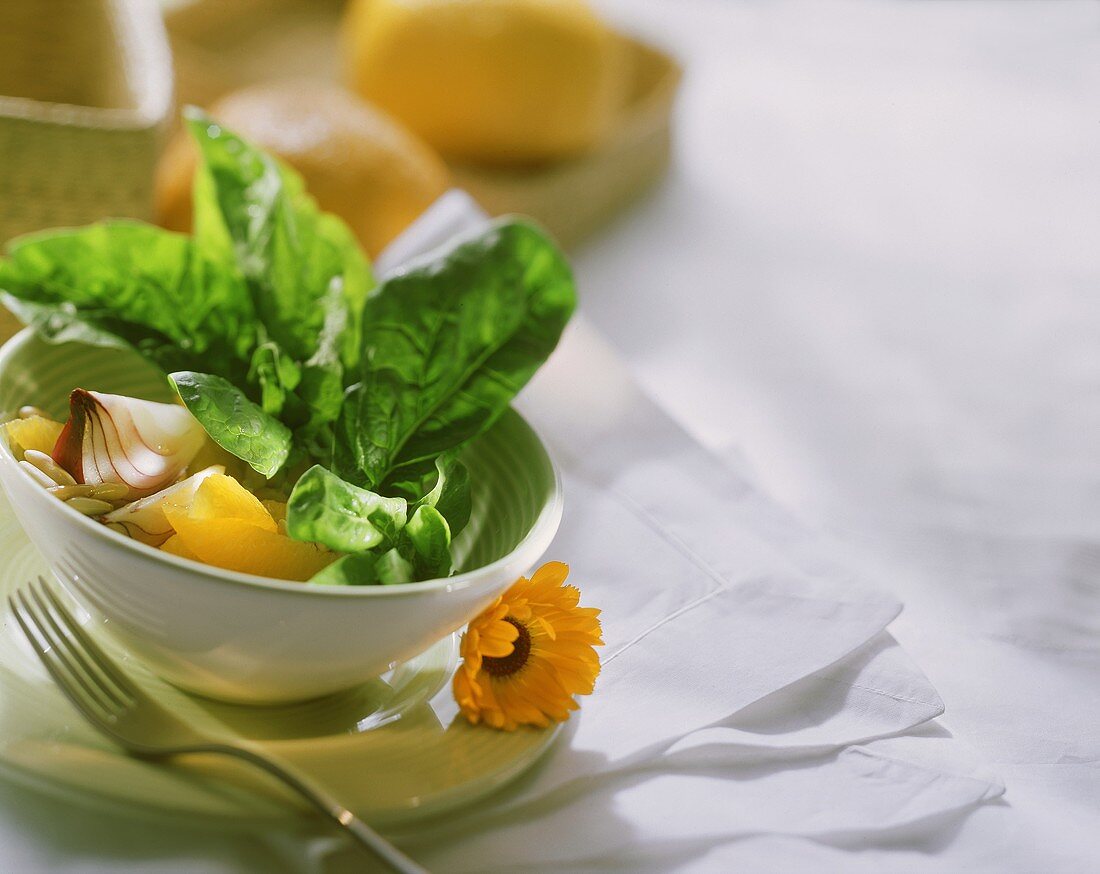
[308, 276]
[123, 283]
[447, 344]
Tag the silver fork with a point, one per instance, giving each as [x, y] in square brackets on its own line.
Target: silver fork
[117, 706]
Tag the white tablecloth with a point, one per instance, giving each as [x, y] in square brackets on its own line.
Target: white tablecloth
[870, 283]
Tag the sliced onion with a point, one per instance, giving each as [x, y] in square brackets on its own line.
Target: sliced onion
[115, 439]
[144, 519]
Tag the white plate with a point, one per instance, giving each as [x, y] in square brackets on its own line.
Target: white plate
[392, 750]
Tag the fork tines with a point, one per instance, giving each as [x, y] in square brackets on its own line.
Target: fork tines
[76, 662]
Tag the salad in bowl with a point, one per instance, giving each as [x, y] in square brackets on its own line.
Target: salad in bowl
[223, 441]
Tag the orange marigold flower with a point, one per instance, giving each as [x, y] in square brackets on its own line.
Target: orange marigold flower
[529, 653]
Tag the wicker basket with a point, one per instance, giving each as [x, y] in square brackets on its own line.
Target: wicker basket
[85, 91]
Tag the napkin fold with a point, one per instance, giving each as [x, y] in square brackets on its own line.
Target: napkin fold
[671, 812]
[875, 692]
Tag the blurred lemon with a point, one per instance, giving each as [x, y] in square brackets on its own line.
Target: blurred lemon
[491, 81]
[356, 161]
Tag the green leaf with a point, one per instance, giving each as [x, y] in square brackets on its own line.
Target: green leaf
[276, 374]
[447, 344]
[307, 276]
[393, 569]
[389, 568]
[60, 323]
[443, 483]
[322, 386]
[233, 422]
[325, 509]
[360, 569]
[124, 283]
[427, 544]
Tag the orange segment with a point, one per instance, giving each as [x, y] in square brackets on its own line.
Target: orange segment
[175, 545]
[35, 432]
[221, 498]
[237, 545]
[225, 525]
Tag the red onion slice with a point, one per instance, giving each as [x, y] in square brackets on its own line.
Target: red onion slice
[115, 439]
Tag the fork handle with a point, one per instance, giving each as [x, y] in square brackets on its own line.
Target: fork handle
[363, 834]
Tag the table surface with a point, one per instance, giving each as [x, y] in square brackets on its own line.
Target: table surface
[871, 281]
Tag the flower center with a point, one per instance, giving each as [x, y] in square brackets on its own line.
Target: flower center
[509, 664]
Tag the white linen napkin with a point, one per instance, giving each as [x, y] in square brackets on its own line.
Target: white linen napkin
[733, 640]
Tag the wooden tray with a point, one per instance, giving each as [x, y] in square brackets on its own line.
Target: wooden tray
[220, 46]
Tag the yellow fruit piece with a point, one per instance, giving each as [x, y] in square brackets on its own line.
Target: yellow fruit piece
[491, 81]
[221, 498]
[358, 162]
[240, 546]
[175, 545]
[36, 432]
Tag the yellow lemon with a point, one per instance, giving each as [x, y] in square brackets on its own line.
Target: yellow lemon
[356, 161]
[490, 81]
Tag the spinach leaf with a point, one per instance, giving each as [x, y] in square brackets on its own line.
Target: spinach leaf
[307, 275]
[444, 483]
[360, 569]
[426, 544]
[233, 422]
[323, 374]
[388, 568]
[325, 509]
[422, 549]
[447, 344]
[124, 283]
[276, 374]
[393, 569]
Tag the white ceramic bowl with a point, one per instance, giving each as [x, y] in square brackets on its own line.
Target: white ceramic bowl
[251, 639]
